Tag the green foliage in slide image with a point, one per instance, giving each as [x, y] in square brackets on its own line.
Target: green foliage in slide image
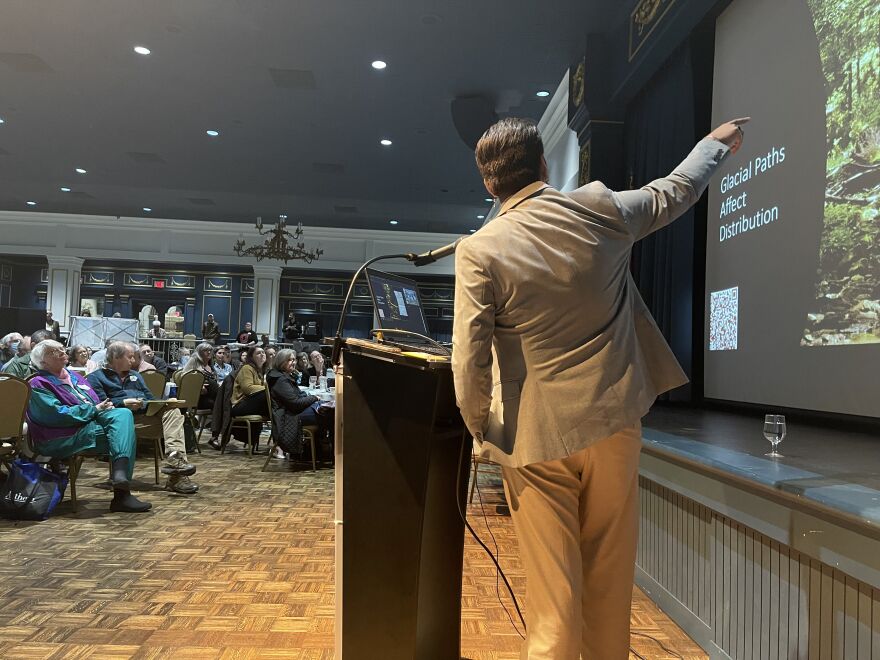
[847, 304]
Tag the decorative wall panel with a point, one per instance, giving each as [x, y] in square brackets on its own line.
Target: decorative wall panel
[221, 307]
[219, 284]
[645, 17]
[98, 277]
[744, 593]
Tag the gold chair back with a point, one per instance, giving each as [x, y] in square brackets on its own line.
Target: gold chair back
[156, 382]
[191, 388]
[15, 394]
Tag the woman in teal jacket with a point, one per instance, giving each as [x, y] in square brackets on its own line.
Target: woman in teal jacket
[65, 417]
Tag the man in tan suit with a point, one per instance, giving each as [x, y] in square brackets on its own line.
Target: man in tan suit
[556, 359]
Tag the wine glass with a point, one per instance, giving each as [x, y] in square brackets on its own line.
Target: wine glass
[313, 381]
[774, 432]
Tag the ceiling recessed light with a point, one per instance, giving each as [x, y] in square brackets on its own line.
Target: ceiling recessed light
[489, 199]
[481, 217]
[542, 93]
[473, 230]
[65, 189]
[147, 209]
[30, 203]
[392, 222]
[80, 170]
[378, 64]
[385, 142]
[213, 133]
[142, 50]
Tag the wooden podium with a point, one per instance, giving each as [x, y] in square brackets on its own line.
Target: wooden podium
[402, 464]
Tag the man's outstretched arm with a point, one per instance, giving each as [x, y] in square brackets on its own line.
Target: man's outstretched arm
[660, 202]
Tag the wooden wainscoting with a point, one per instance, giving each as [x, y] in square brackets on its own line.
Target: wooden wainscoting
[742, 594]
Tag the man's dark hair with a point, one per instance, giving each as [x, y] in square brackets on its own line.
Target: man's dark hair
[41, 335]
[509, 155]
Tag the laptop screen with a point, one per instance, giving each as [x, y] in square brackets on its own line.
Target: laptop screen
[397, 302]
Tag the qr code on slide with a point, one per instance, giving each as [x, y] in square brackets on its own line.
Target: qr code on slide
[723, 319]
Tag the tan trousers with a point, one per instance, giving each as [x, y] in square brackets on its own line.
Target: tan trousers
[576, 521]
[172, 428]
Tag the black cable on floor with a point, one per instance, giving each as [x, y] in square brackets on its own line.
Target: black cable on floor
[461, 513]
[498, 554]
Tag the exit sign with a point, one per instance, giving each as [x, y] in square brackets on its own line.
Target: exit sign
[159, 284]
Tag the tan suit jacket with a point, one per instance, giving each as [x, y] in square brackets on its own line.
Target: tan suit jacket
[553, 347]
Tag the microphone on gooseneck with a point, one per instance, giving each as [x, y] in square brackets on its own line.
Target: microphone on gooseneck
[431, 256]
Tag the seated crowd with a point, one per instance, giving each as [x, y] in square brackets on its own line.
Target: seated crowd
[98, 402]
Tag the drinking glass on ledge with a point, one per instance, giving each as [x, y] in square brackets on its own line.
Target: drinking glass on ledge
[774, 432]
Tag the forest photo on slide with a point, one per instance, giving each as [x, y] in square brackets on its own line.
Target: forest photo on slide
[847, 303]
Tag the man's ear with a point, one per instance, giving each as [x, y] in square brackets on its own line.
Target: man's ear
[545, 175]
[490, 188]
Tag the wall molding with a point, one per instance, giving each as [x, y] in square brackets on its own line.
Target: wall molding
[201, 242]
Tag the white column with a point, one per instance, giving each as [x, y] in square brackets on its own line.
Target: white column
[267, 294]
[62, 295]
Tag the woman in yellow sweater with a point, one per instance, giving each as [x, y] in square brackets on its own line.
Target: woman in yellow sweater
[248, 391]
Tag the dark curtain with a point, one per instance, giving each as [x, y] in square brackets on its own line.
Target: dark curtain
[661, 127]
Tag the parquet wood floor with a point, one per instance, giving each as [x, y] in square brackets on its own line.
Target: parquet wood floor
[244, 569]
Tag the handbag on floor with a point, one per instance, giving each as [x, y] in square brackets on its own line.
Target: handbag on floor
[31, 492]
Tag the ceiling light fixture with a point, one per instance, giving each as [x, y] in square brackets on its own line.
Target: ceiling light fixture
[542, 93]
[473, 230]
[392, 222]
[80, 170]
[147, 209]
[2, 121]
[30, 203]
[378, 65]
[385, 142]
[283, 245]
[489, 199]
[65, 189]
[481, 217]
[213, 133]
[142, 50]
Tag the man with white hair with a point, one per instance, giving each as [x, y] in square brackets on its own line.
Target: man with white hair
[157, 331]
[126, 388]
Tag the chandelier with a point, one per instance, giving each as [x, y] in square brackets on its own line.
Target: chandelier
[282, 244]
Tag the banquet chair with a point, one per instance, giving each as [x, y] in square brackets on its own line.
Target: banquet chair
[190, 389]
[246, 421]
[155, 382]
[14, 398]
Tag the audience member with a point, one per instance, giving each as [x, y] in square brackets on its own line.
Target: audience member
[78, 356]
[85, 311]
[247, 336]
[289, 400]
[201, 362]
[270, 353]
[318, 367]
[248, 393]
[52, 325]
[303, 366]
[21, 366]
[183, 356]
[222, 360]
[96, 360]
[66, 417]
[9, 347]
[210, 330]
[157, 331]
[291, 330]
[152, 361]
[126, 389]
